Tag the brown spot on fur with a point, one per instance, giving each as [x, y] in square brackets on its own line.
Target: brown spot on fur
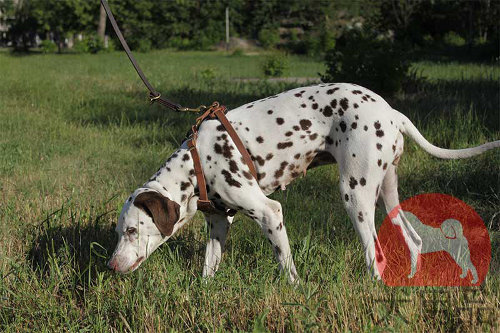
[280, 171]
[269, 111]
[329, 140]
[259, 160]
[229, 179]
[280, 121]
[315, 106]
[353, 182]
[283, 145]
[220, 127]
[217, 148]
[360, 217]
[260, 139]
[247, 175]
[297, 156]
[185, 157]
[331, 91]
[305, 124]
[379, 146]
[333, 103]
[288, 133]
[379, 133]
[362, 181]
[343, 126]
[184, 185]
[233, 167]
[313, 136]
[269, 156]
[328, 111]
[344, 103]
[261, 175]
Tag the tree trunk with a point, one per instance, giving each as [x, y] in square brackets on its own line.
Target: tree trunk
[101, 28]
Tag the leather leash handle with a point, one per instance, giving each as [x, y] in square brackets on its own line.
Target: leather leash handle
[153, 94]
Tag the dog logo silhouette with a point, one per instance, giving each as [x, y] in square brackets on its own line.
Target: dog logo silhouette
[448, 237]
[452, 243]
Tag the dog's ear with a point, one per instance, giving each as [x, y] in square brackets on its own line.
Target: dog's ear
[164, 212]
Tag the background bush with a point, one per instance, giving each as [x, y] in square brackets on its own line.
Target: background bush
[92, 44]
[369, 60]
[48, 46]
[453, 39]
[269, 37]
[275, 65]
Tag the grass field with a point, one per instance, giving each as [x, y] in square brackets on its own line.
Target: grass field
[76, 137]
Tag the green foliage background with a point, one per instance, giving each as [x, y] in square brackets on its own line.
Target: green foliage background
[304, 26]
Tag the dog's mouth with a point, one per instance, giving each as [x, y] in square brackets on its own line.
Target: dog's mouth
[136, 264]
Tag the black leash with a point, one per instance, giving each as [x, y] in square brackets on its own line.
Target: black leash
[154, 96]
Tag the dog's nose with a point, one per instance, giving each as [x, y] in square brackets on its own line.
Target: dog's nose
[112, 264]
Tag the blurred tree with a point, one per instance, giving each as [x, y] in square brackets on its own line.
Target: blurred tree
[21, 22]
[302, 26]
[62, 18]
[101, 27]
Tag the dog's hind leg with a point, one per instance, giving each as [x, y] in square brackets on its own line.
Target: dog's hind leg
[219, 227]
[359, 201]
[391, 200]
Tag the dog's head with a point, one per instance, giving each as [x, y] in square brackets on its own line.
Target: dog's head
[147, 220]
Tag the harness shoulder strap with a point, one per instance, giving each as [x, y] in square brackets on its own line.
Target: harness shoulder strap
[219, 113]
[204, 204]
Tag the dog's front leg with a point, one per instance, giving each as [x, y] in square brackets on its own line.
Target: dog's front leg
[219, 227]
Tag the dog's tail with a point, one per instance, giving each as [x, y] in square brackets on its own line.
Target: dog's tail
[452, 229]
[410, 129]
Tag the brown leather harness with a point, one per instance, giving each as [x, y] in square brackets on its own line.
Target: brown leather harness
[214, 111]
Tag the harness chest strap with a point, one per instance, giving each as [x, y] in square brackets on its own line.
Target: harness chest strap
[204, 204]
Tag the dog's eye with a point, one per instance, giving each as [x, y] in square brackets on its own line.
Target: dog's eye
[131, 230]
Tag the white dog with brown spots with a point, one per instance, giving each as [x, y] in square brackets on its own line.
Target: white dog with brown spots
[285, 134]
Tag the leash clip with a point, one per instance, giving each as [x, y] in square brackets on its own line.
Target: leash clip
[200, 108]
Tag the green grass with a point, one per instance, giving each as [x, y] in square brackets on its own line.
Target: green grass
[76, 137]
